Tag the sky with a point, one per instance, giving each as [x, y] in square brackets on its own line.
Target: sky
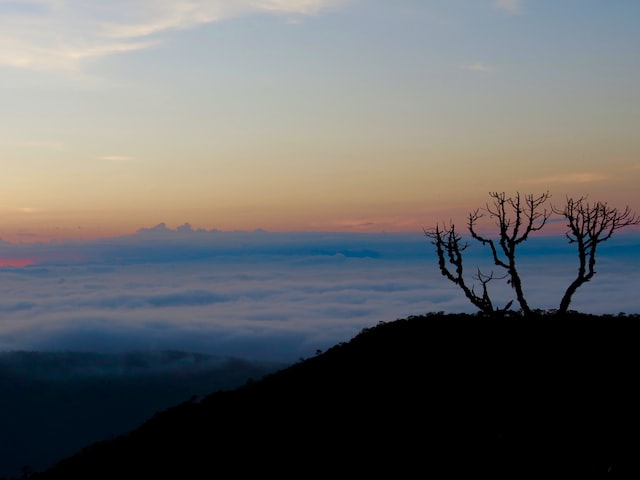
[308, 115]
[253, 177]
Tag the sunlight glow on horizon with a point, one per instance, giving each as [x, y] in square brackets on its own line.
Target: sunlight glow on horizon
[16, 262]
[319, 115]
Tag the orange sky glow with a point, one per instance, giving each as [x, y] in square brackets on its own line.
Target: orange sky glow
[321, 115]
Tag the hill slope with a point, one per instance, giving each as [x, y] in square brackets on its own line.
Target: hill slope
[54, 403]
[437, 393]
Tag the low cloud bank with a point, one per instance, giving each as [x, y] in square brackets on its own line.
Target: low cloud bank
[162, 244]
[266, 296]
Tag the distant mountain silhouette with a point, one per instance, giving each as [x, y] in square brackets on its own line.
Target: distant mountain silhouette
[54, 403]
[435, 394]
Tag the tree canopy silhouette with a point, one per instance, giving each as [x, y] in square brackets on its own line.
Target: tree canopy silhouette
[516, 218]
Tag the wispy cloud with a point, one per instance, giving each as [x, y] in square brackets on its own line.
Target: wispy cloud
[60, 35]
[478, 67]
[39, 144]
[569, 178]
[27, 210]
[511, 6]
[117, 158]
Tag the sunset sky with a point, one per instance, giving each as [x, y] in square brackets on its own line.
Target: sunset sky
[291, 115]
[255, 178]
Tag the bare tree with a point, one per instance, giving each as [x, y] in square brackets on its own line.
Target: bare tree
[590, 225]
[516, 218]
[449, 247]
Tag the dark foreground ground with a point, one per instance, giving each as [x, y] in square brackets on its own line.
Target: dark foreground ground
[436, 394]
[54, 403]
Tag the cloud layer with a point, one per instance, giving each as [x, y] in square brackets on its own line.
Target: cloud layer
[511, 6]
[265, 295]
[60, 35]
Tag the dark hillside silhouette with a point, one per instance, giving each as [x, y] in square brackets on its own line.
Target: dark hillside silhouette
[436, 394]
[54, 403]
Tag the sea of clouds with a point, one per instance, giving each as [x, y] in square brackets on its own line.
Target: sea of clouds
[267, 296]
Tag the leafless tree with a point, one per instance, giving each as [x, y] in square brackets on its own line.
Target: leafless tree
[449, 247]
[590, 224]
[516, 218]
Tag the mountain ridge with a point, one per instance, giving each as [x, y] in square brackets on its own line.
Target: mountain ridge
[54, 403]
[436, 393]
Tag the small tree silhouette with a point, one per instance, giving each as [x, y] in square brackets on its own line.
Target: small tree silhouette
[449, 247]
[590, 225]
[516, 218]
